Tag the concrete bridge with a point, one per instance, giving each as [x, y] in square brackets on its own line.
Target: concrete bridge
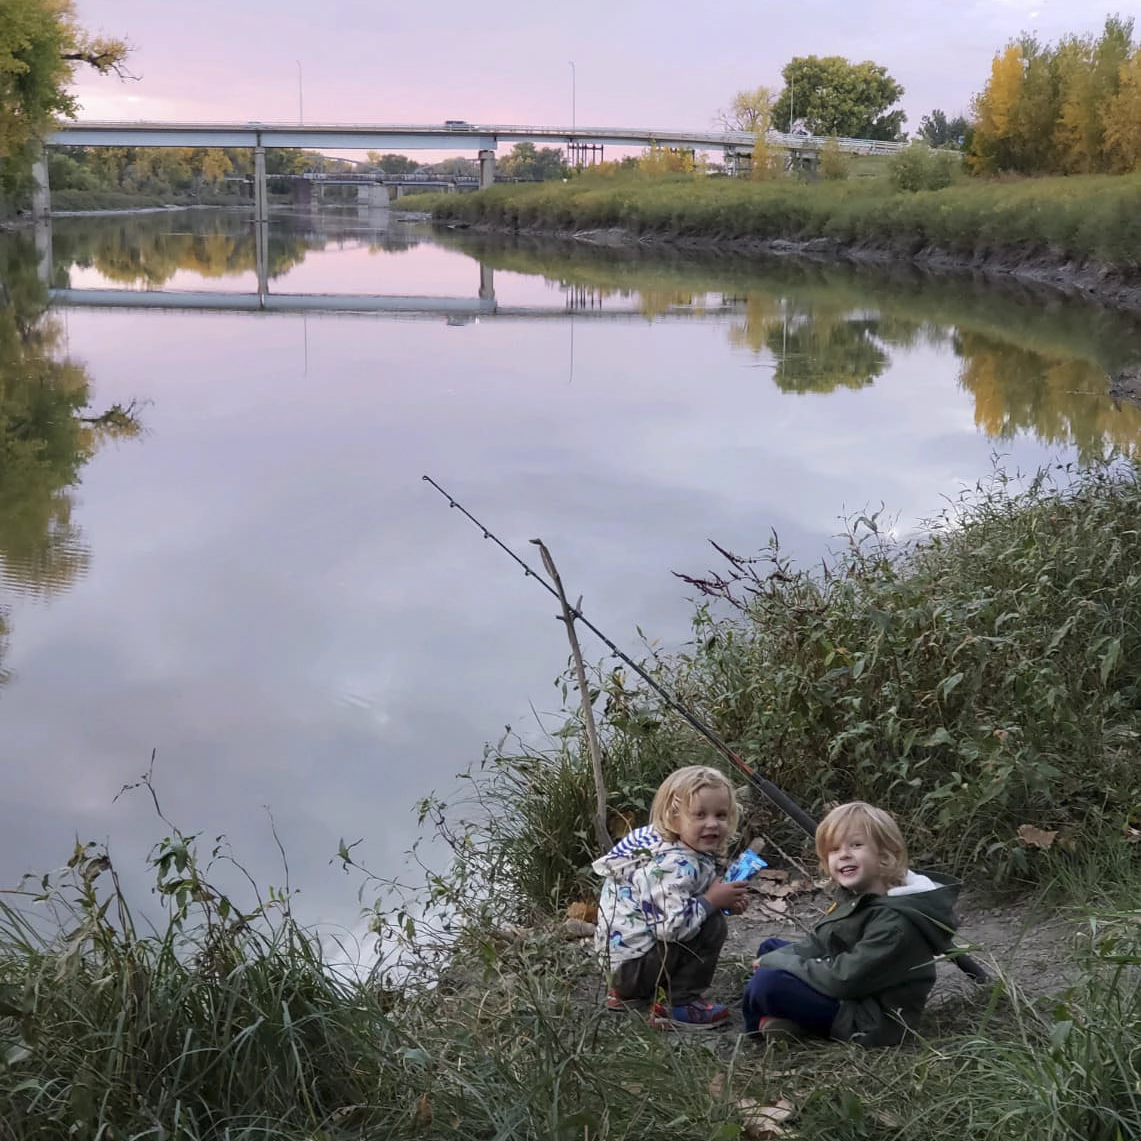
[457, 135]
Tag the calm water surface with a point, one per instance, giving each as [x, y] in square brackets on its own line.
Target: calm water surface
[259, 587]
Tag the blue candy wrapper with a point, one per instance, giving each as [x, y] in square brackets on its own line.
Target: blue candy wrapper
[744, 867]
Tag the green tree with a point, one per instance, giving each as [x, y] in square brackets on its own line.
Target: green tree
[1089, 77]
[392, 163]
[832, 96]
[526, 162]
[936, 130]
[1121, 117]
[41, 43]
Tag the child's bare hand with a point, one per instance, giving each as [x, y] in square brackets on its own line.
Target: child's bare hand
[728, 896]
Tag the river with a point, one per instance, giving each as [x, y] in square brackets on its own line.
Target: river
[248, 577]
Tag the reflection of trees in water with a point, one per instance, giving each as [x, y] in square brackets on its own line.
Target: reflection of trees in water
[148, 249]
[1059, 400]
[816, 349]
[820, 356]
[45, 437]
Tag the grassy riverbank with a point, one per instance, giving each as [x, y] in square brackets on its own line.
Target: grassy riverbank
[981, 680]
[1093, 219]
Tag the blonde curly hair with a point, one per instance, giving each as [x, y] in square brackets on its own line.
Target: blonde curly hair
[676, 793]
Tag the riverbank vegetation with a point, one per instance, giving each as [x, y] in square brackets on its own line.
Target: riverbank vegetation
[982, 682]
[1090, 219]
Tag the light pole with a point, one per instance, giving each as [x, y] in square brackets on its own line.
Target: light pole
[300, 98]
[571, 62]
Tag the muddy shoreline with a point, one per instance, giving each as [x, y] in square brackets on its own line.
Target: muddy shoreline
[1110, 287]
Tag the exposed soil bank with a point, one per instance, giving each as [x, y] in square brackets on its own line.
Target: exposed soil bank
[1100, 283]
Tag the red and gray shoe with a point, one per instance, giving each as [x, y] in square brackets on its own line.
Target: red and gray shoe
[618, 1003]
[691, 1016]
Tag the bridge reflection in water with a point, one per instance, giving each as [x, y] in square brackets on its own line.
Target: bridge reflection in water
[576, 301]
[456, 309]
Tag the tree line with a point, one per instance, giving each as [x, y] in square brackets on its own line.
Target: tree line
[1073, 107]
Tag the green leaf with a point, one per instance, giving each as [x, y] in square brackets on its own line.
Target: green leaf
[939, 737]
[1110, 659]
[948, 684]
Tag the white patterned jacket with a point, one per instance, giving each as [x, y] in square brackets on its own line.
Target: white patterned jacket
[652, 890]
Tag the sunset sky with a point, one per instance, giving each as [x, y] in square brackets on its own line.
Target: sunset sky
[508, 61]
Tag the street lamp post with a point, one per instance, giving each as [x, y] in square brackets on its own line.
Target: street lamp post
[571, 62]
[300, 97]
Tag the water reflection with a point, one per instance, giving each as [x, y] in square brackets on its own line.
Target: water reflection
[149, 249]
[45, 436]
[1034, 361]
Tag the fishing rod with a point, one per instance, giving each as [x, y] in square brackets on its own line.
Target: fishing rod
[766, 787]
[788, 806]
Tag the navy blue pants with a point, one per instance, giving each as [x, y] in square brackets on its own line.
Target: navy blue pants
[781, 995]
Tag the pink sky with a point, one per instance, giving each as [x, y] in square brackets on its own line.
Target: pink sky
[507, 61]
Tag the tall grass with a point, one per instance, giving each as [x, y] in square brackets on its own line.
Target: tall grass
[1088, 218]
[1062, 1069]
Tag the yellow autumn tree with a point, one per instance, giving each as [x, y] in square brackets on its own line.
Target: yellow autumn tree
[1088, 78]
[994, 110]
[667, 160]
[1121, 118]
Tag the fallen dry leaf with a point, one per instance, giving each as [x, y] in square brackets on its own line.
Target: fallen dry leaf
[587, 912]
[760, 1122]
[775, 906]
[423, 1115]
[717, 1086]
[1132, 835]
[776, 890]
[777, 874]
[1036, 837]
[577, 929]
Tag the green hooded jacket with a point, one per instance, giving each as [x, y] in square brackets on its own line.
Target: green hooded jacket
[876, 954]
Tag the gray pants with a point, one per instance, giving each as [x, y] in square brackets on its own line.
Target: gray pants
[683, 970]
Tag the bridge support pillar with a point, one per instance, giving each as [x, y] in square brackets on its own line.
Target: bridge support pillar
[486, 282]
[41, 191]
[261, 194]
[486, 169]
[44, 250]
[261, 257]
[372, 194]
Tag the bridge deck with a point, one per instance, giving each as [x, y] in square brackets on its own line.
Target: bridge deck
[413, 136]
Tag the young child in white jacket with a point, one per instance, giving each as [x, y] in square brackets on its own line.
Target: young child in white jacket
[661, 921]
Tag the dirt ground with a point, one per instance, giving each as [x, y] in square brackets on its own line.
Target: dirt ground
[1012, 940]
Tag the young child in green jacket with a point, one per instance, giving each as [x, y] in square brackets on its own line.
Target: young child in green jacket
[864, 972]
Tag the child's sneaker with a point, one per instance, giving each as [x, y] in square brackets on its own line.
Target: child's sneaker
[619, 1003]
[692, 1016]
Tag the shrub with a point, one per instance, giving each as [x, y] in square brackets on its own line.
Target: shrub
[920, 168]
[835, 165]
